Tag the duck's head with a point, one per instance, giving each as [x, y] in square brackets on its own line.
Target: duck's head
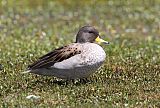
[89, 34]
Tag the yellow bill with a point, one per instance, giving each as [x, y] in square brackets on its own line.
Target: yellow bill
[99, 40]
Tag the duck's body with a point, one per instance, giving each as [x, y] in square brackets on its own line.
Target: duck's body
[76, 60]
[79, 66]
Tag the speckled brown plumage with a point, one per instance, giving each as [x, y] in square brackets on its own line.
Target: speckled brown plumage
[55, 56]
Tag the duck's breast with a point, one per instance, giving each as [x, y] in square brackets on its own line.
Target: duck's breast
[93, 54]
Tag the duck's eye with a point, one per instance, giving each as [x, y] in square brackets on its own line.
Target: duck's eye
[90, 32]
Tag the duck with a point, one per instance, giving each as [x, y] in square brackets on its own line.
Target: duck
[77, 60]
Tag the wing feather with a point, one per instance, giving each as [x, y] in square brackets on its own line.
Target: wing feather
[55, 56]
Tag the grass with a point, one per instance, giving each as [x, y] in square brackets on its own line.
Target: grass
[130, 76]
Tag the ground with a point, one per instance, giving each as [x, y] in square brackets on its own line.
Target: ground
[130, 76]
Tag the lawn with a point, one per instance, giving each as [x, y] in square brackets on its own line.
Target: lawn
[130, 76]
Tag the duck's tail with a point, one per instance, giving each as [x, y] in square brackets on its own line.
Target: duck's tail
[27, 71]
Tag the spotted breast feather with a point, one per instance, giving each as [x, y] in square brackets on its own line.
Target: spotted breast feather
[55, 56]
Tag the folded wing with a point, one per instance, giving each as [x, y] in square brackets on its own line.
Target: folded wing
[55, 56]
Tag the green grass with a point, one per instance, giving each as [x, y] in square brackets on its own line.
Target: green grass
[130, 76]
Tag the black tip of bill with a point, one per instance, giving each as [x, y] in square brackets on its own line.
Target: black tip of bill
[107, 43]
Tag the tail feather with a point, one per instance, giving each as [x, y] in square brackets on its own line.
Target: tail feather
[27, 71]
